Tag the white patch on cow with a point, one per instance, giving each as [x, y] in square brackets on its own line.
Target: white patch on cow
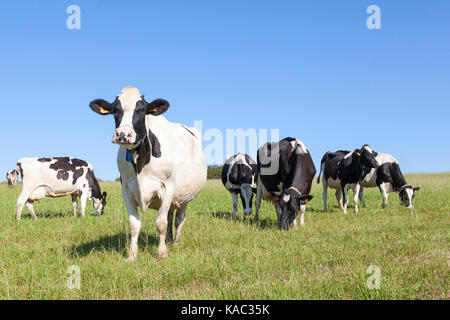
[348, 155]
[299, 147]
[128, 99]
[410, 193]
[368, 148]
[286, 197]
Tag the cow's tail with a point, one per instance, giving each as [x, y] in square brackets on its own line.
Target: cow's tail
[322, 164]
[19, 170]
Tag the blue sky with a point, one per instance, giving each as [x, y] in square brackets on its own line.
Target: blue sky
[311, 69]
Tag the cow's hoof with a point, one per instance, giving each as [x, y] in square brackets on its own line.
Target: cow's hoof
[162, 255]
[176, 243]
[131, 258]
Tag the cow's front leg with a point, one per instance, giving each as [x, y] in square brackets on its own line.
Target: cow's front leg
[83, 200]
[74, 205]
[235, 204]
[384, 194]
[161, 224]
[179, 222]
[302, 213]
[135, 223]
[356, 196]
[29, 205]
[345, 193]
[169, 236]
[258, 201]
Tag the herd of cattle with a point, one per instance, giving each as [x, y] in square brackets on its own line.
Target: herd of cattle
[162, 167]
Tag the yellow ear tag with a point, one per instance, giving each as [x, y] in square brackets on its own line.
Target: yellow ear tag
[358, 154]
[103, 111]
[306, 200]
[153, 110]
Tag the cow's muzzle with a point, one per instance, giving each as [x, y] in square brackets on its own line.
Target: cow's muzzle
[124, 136]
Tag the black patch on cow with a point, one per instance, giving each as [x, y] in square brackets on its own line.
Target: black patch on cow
[64, 165]
[154, 142]
[45, 159]
[390, 173]
[117, 111]
[330, 163]
[19, 165]
[93, 184]
[76, 174]
[240, 173]
[149, 147]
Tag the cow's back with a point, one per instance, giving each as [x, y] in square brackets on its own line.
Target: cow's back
[53, 174]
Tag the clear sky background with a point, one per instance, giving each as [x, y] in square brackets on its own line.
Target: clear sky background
[309, 68]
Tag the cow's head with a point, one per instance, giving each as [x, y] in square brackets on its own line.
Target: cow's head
[246, 192]
[406, 194]
[129, 110]
[367, 159]
[12, 176]
[99, 203]
[291, 202]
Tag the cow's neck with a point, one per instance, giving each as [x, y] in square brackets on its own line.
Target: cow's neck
[141, 155]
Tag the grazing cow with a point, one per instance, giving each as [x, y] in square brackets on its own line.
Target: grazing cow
[161, 163]
[239, 174]
[388, 178]
[12, 176]
[58, 177]
[344, 170]
[285, 171]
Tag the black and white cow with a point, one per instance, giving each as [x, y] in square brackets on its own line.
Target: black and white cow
[239, 176]
[161, 163]
[12, 176]
[343, 170]
[388, 178]
[58, 177]
[285, 174]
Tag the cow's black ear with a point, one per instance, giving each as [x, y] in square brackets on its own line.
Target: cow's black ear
[157, 107]
[104, 194]
[416, 189]
[358, 152]
[101, 106]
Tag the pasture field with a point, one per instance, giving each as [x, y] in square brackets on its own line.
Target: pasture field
[220, 258]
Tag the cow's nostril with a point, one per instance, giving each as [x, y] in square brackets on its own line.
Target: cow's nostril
[129, 135]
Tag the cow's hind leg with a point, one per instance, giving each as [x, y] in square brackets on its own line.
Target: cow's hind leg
[179, 222]
[324, 194]
[235, 204]
[23, 198]
[29, 205]
[361, 196]
[169, 236]
[74, 205]
[338, 195]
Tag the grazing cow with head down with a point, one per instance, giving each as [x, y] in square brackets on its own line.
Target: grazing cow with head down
[239, 174]
[58, 177]
[161, 163]
[388, 178]
[12, 176]
[286, 171]
[343, 170]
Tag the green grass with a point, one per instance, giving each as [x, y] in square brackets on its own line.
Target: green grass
[224, 259]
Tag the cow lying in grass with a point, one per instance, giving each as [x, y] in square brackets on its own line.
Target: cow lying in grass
[58, 177]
